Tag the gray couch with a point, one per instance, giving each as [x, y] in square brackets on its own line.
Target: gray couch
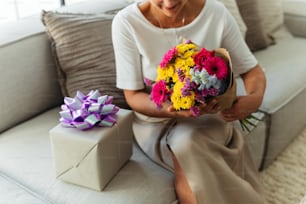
[31, 98]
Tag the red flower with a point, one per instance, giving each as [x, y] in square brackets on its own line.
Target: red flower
[216, 66]
[202, 56]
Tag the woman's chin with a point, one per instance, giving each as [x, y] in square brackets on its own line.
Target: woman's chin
[171, 11]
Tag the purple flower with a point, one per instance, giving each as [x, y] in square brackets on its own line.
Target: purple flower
[195, 110]
[188, 87]
[213, 92]
[181, 74]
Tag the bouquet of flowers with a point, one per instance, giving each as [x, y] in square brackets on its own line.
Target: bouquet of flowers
[189, 76]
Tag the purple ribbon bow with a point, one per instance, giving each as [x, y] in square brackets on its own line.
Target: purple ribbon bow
[86, 111]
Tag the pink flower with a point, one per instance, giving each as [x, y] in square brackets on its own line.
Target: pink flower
[159, 92]
[216, 66]
[202, 56]
[168, 57]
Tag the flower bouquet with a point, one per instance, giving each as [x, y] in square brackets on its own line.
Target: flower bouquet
[189, 76]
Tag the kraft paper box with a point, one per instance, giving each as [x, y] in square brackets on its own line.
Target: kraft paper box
[93, 157]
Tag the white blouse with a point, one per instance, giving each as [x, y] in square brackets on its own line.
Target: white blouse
[139, 45]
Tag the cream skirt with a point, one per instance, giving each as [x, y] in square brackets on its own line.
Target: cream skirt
[211, 152]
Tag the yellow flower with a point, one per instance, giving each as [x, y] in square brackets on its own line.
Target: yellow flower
[179, 63]
[181, 102]
[182, 48]
[171, 71]
[175, 77]
[165, 73]
[161, 74]
[189, 62]
[188, 54]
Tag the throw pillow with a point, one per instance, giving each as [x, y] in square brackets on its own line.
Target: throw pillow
[83, 52]
[272, 16]
[256, 37]
[232, 7]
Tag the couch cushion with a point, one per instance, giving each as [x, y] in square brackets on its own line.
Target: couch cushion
[272, 17]
[28, 80]
[285, 68]
[13, 193]
[28, 77]
[25, 155]
[83, 52]
[295, 16]
[256, 38]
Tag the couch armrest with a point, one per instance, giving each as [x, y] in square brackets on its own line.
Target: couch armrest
[295, 16]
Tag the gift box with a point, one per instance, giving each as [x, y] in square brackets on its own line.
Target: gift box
[93, 157]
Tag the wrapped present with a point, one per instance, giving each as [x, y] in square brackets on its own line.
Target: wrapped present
[93, 157]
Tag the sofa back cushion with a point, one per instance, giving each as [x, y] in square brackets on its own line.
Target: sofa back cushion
[28, 80]
[83, 52]
[272, 18]
[256, 37]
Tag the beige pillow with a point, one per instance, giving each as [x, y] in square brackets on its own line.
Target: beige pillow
[272, 16]
[232, 7]
[256, 37]
[83, 52]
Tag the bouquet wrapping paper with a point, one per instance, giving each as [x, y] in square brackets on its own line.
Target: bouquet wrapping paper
[92, 158]
[226, 99]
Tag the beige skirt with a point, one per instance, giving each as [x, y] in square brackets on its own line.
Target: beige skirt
[211, 152]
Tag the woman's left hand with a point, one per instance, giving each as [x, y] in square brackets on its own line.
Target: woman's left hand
[242, 107]
[255, 84]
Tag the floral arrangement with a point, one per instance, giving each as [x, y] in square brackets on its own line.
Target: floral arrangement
[189, 76]
[86, 111]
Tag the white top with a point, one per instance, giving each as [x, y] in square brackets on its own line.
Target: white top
[139, 45]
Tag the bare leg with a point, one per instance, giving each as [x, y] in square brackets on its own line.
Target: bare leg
[183, 190]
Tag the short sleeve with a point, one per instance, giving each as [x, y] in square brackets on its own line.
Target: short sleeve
[242, 58]
[128, 64]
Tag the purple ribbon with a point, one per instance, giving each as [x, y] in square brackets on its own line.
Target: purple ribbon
[86, 111]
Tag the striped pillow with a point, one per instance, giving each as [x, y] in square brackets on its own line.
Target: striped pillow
[83, 51]
[256, 37]
[272, 16]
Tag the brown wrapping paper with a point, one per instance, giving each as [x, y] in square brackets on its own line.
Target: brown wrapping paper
[227, 99]
[93, 157]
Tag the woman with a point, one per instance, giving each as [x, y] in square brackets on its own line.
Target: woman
[207, 154]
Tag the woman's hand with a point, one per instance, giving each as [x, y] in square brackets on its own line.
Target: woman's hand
[242, 107]
[255, 84]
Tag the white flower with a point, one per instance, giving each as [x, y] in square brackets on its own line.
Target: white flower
[204, 80]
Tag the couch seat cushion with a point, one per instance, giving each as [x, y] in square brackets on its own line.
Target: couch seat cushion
[285, 68]
[10, 191]
[25, 156]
